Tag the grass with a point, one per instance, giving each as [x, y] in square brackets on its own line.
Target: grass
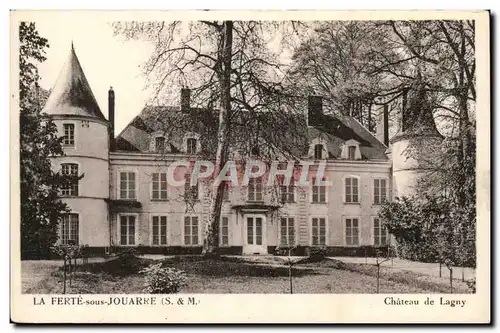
[234, 275]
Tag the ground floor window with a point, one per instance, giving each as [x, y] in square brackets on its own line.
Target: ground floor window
[70, 229]
[159, 230]
[127, 229]
[352, 231]
[191, 230]
[380, 233]
[224, 231]
[287, 231]
[318, 231]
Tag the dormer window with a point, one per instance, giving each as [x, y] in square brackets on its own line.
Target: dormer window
[352, 152]
[191, 146]
[255, 151]
[160, 144]
[318, 151]
[191, 143]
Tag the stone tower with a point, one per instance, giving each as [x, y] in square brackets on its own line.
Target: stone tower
[85, 132]
[416, 140]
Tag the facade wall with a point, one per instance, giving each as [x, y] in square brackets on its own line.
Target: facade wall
[335, 210]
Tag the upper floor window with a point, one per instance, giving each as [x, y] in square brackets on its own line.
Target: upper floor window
[318, 192]
[318, 151]
[351, 152]
[159, 186]
[380, 233]
[190, 191]
[379, 191]
[255, 189]
[352, 231]
[352, 190]
[69, 135]
[225, 195]
[191, 147]
[71, 188]
[128, 185]
[287, 192]
[160, 144]
[69, 229]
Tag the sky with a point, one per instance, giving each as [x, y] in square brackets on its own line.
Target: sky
[107, 61]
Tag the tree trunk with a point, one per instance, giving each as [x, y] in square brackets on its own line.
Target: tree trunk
[211, 227]
[378, 278]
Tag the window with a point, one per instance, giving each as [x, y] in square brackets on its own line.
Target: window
[351, 231]
[71, 188]
[318, 192]
[225, 196]
[255, 151]
[287, 192]
[127, 186]
[190, 192]
[69, 229]
[127, 229]
[69, 135]
[351, 190]
[351, 152]
[318, 151]
[379, 191]
[160, 144]
[381, 236]
[191, 145]
[159, 230]
[191, 230]
[255, 189]
[224, 231]
[287, 231]
[159, 189]
[318, 231]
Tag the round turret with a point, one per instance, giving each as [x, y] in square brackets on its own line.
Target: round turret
[415, 143]
[74, 110]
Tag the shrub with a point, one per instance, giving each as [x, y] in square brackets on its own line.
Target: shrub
[163, 280]
[471, 284]
[127, 262]
[318, 251]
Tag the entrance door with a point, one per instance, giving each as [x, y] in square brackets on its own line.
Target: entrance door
[255, 240]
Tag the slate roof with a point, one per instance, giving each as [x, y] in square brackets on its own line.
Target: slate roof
[137, 135]
[71, 94]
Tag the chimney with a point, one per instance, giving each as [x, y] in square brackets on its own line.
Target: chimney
[382, 114]
[185, 99]
[111, 118]
[314, 110]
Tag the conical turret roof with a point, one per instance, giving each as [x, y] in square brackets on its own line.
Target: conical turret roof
[71, 94]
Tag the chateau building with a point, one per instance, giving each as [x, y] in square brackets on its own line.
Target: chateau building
[125, 200]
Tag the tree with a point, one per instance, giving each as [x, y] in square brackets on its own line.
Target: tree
[40, 185]
[230, 64]
[383, 59]
[339, 62]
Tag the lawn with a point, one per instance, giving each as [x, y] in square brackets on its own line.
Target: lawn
[235, 275]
